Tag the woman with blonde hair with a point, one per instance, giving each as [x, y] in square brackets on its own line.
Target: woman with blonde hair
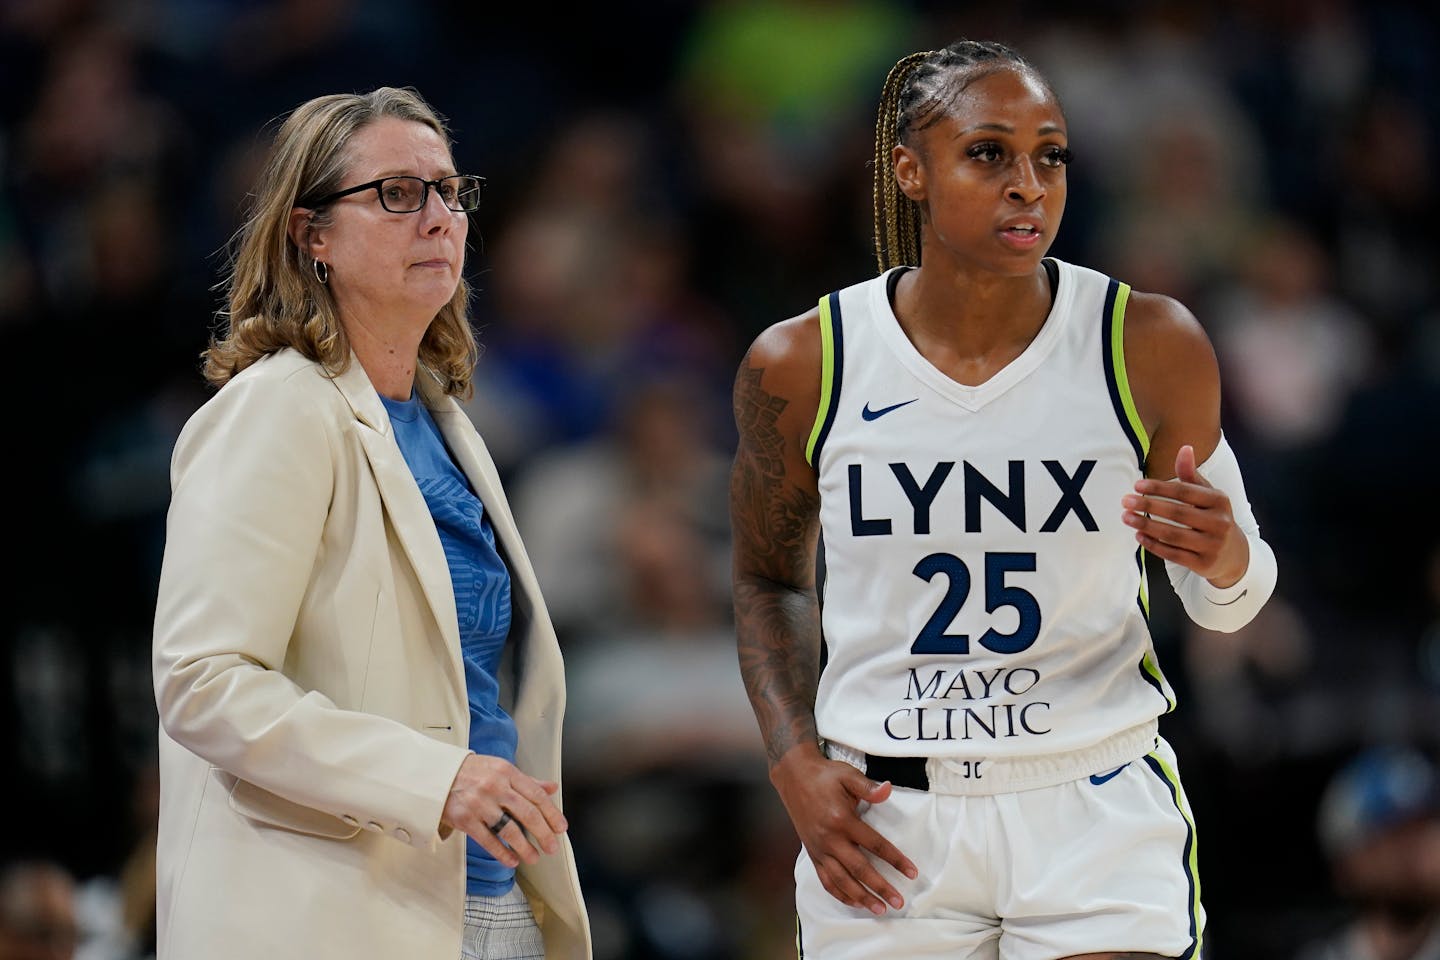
[360, 692]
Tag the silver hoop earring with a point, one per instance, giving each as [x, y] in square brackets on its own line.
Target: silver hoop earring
[322, 271]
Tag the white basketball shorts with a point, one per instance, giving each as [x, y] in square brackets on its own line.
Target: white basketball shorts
[1106, 862]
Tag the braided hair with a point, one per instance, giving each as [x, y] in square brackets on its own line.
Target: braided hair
[916, 93]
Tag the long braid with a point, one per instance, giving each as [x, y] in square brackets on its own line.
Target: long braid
[916, 92]
[897, 217]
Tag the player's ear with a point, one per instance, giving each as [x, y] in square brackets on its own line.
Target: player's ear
[909, 172]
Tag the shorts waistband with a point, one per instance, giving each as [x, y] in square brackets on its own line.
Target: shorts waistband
[981, 775]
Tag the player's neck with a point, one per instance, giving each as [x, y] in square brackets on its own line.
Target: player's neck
[971, 312]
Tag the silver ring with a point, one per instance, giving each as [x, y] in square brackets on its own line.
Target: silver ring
[500, 824]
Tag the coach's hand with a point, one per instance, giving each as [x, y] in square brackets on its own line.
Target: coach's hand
[489, 791]
[823, 797]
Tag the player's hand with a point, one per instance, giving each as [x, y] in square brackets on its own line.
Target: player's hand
[485, 789]
[823, 798]
[1188, 521]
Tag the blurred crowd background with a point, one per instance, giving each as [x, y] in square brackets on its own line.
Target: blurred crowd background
[665, 180]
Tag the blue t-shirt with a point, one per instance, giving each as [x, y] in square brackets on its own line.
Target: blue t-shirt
[482, 601]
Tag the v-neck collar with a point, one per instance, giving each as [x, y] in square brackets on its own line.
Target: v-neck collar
[972, 397]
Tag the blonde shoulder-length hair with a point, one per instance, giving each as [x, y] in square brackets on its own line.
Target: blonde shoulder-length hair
[274, 298]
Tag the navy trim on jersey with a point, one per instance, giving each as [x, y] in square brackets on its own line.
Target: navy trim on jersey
[1140, 599]
[1149, 676]
[1052, 271]
[1107, 320]
[837, 369]
[820, 602]
[1185, 856]
[1151, 679]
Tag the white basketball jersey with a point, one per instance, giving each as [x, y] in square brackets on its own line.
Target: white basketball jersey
[981, 596]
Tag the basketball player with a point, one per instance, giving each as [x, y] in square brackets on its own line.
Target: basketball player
[988, 442]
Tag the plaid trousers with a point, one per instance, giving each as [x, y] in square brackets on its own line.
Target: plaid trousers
[501, 928]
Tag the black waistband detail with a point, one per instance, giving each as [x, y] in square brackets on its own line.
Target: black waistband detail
[901, 771]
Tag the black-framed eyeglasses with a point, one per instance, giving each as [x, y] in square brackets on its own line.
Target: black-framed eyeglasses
[460, 193]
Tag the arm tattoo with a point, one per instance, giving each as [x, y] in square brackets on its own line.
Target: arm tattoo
[777, 617]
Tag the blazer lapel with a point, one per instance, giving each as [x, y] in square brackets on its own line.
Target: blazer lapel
[539, 707]
[470, 453]
[409, 515]
[540, 654]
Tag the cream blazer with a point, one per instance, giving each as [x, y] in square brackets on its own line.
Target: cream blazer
[309, 682]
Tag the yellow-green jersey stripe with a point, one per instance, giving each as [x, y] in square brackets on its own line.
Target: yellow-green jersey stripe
[1190, 860]
[1115, 376]
[832, 365]
[1117, 296]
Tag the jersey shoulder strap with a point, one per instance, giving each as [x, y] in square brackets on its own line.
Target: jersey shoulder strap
[832, 364]
[1117, 295]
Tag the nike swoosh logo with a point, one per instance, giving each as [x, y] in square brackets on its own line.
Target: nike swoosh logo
[869, 414]
[1216, 603]
[1098, 779]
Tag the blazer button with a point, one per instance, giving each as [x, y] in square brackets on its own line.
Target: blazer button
[402, 834]
[372, 825]
[350, 821]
